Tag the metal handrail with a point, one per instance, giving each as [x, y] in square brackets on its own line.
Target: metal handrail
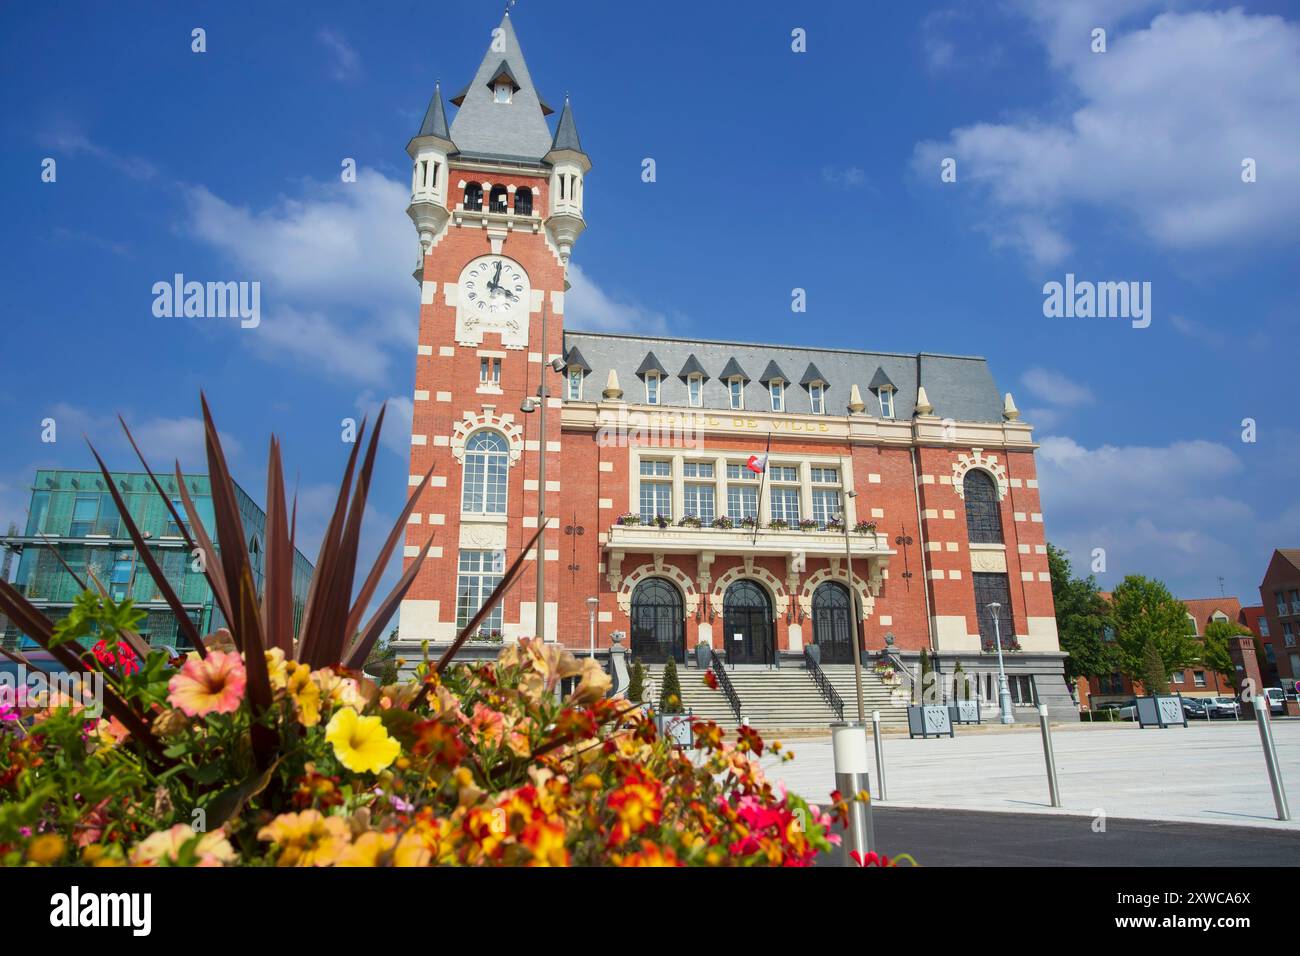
[829, 693]
[724, 682]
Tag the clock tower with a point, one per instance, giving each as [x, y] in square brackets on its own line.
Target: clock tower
[496, 199]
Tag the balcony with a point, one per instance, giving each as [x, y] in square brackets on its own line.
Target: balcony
[676, 539]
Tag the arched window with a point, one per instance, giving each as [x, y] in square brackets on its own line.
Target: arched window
[499, 200]
[487, 462]
[983, 513]
[658, 622]
[473, 197]
[833, 627]
[524, 201]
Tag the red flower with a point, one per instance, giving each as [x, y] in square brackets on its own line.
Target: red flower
[711, 679]
[871, 859]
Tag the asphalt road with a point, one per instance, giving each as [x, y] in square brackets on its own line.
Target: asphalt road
[971, 838]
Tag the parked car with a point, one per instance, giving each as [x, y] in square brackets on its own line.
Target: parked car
[1128, 711]
[1195, 709]
[1222, 707]
[1276, 699]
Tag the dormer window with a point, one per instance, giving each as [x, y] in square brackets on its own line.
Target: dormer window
[502, 92]
[817, 396]
[695, 390]
[886, 403]
[776, 388]
[652, 388]
[575, 384]
[736, 388]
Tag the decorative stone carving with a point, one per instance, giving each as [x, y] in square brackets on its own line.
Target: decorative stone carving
[993, 561]
[776, 590]
[488, 418]
[657, 570]
[836, 573]
[977, 459]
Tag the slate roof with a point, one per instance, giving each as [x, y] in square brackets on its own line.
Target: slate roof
[574, 359]
[960, 387]
[772, 372]
[880, 380]
[435, 118]
[514, 131]
[650, 363]
[693, 367]
[566, 130]
[732, 370]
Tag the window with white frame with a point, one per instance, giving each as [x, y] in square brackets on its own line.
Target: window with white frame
[1280, 598]
[487, 463]
[652, 388]
[479, 573]
[817, 395]
[695, 389]
[736, 389]
[502, 92]
[575, 384]
[784, 493]
[1263, 626]
[826, 505]
[1288, 636]
[742, 492]
[699, 491]
[489, 371]
[776, 389]
[886, 403]
[1177, 677]
[656, 489]
[1198, 678]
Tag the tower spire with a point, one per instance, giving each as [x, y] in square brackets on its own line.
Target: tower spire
[435, 117]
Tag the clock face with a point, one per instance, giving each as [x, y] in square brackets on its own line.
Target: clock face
[494, 287]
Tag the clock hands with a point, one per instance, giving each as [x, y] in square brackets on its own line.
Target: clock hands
[495, 282]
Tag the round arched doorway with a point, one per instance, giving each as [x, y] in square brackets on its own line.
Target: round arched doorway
[833, 629]
[747, 622]
[658, 622]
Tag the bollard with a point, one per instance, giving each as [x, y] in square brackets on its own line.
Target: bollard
[1270, 757]
[849, 745]
[1049, 756]
[880, 754]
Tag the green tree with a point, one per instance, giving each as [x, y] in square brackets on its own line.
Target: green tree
[1217, 655]
[928, 693]
[636, 683]
[381, 663]
[1154, 674]
[1143, 611]
[960, 689]
[670, 695]
[1080, 619]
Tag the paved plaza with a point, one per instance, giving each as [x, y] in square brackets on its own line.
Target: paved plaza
[1204, 773]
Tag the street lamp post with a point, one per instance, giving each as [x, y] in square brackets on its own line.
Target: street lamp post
[529, 405]
[1004, 692]
[857, 611]
[592, 604]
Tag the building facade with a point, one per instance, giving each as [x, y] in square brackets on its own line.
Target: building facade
[1279, 592]
[702, 492]
[73, 513]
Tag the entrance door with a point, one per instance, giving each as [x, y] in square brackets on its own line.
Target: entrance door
[658, 623]
[833, 623]
[747, 618]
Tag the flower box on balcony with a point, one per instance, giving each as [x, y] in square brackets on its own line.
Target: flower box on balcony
[629, 520]
[689, 521]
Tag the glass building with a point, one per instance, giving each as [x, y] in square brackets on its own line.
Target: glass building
[74, 513]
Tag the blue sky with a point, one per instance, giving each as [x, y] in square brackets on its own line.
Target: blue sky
[775, 170]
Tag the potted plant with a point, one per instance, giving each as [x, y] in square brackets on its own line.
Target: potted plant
[808, 524]
[703, 656]
[778, 524]
[723, 522]
[749, 521]
[835, 524]
[814, 653]
[669, 715]
[629, 519]
[865, 527]
[636, 683]
[662, 521]
[689, 521]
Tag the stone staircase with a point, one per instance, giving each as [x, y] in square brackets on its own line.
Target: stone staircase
[784, 699]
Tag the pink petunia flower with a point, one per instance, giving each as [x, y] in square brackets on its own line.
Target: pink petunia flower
[209, 685]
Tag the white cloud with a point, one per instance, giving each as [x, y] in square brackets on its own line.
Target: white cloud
[346, 63]
[162, 440]
[848, 177]
[335, 296]
[396, 436]
[590, 308]
[1055, 388]
[72, 142]
[1162, 123]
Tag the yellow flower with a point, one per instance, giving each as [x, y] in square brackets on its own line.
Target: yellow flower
[593, 685]
[277, 668]
[307, 838]
[361, 743]
[164, 846]
[338, 689]
[305, 694]
[368, 850]
[46, 849]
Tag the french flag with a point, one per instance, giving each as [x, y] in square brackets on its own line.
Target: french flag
[757, 463]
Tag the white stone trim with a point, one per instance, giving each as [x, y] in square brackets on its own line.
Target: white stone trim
[748, 570]
[471, 422]
[660, 569]
[837, 573]
[977, 459]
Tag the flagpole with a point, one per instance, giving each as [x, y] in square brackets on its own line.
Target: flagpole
[762, 480]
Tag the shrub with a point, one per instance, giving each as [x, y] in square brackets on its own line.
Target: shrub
[1155, 676]
[636, 683]
[670, 694]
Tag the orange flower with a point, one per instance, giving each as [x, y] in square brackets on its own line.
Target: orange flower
[545, 838]
[307, 838]
[651, 855]
[486, 726]
[207, 685]
[637, 805]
